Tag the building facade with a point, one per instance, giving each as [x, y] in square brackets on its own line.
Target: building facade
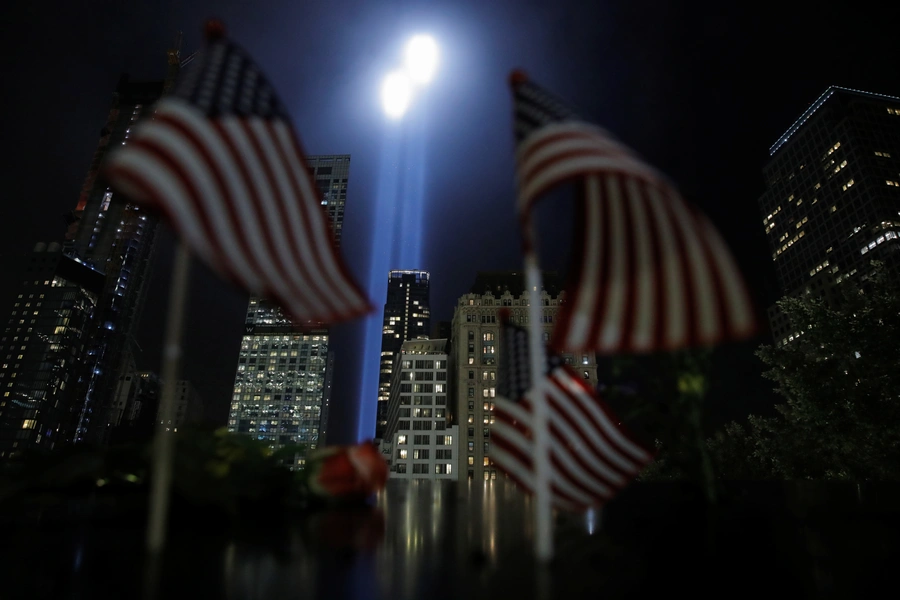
[115, 237]
[282, 387]
[832, 199]
[419, 439]
[188, 405]
[407, 316]
[476, 348]
[44, 341]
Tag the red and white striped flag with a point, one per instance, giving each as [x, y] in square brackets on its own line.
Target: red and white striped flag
[221, 161]
[650, 273]
[592, 456]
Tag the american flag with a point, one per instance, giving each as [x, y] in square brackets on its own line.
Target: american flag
[591, 455]
[650, 273]
[221, 161]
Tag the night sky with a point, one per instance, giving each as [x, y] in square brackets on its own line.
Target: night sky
[700, 92]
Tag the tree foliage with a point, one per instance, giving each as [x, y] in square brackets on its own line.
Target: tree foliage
[841, 385]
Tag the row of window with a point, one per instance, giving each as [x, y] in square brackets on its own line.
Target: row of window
[424, 454]
[425, 440]
[421, 468]
[404, 425]
[423, 400]
[421, 364]
[423, 388]
[438, 413]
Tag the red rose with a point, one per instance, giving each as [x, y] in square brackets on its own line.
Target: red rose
[347, 471]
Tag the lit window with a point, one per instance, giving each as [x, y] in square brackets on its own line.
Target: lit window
[486, 462]
[848, 185]
[29, 424]
[402, 453]
[401, 440]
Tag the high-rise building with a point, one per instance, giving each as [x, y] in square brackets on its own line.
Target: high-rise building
[282, 388]
[419, 441]
[832, 199]
[115, 237]
[475, 356]
[407, 316]
[43, 343]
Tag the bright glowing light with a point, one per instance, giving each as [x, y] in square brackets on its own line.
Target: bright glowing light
[421, 58]
[396, 93]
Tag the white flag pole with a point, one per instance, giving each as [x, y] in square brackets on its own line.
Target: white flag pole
[163, 442]
[543, 515]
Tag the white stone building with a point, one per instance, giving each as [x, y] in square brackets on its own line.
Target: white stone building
[419, 441]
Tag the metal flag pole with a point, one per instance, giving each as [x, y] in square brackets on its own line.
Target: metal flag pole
[543, 510]
[163, 441]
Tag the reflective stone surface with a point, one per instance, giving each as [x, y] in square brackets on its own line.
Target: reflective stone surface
[474, 540]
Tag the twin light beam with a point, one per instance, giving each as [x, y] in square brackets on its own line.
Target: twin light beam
[399, 202]
[419, 65]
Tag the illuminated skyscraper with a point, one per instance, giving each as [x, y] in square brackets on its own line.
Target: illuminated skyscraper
[43, 343]
[282, 388]
[407, 316]
[475, 356]
[116, 238]
[832, 201]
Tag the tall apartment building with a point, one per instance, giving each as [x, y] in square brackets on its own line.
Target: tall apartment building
[282, 388]
[41, 349]
[832, 199]
[407, 316]
[418, 437]
[475, 357]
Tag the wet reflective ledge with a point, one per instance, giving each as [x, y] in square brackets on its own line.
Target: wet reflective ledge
[474, 540]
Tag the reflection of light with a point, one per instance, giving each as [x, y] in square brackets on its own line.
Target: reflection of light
[590, 520]
[396, 92]
[421, 58]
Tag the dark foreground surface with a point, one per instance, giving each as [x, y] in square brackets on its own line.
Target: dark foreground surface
[429, 540]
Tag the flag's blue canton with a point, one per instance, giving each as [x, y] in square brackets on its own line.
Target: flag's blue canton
[223, 81]
[535, 108]
[515, 367]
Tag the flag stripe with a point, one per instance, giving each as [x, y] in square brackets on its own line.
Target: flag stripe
[276, 197]
[346, 292]
[593, 268]
[591, 457]
[518, 447]
[652, 273]
[184, 138]
[262, 218]
[567, 434]
[593, 409]
[221, 160]
[148, 181]
[643, 295]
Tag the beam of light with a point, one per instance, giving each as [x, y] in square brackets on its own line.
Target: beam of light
[421, 58]
[396, 94]
[384, 213]
[414, 201]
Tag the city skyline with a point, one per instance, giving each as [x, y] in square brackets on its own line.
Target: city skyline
[716, 104]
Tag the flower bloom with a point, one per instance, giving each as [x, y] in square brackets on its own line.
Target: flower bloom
[347, 471]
